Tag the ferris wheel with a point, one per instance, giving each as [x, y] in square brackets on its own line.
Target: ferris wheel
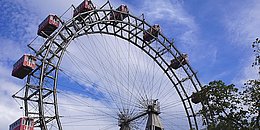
[106, 69]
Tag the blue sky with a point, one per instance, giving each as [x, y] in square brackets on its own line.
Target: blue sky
[216, 34]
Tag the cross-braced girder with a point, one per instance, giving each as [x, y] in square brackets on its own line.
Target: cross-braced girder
[40, 96]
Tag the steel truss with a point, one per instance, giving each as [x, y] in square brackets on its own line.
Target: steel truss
[38, 97]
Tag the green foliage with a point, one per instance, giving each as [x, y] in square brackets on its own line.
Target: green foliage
[228, 108]
[251, 97]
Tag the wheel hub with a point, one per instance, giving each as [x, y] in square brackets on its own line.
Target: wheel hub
[153, 121]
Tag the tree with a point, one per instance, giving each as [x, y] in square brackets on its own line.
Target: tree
[251, 94]
[224, 106]
[256, 48]
[251, 97]
[229, 109]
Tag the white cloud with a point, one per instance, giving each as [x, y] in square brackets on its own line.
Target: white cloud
[243, 23]
[172, 13]
[9, 109]
[10, 51]
[81, 112]
[43, 8]
[243, 26]
[178, 23]
[247, 73]
[169, 11]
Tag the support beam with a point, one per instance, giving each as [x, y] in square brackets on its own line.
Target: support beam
[153, 122]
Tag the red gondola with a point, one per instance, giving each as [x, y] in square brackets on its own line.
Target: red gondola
[24, 123]
[179, 61]
[119, 15]
[48, 26]
[85, 6]
[24, 66]
[151, 32]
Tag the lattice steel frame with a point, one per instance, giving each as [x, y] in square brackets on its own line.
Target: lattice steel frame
[131, 29]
